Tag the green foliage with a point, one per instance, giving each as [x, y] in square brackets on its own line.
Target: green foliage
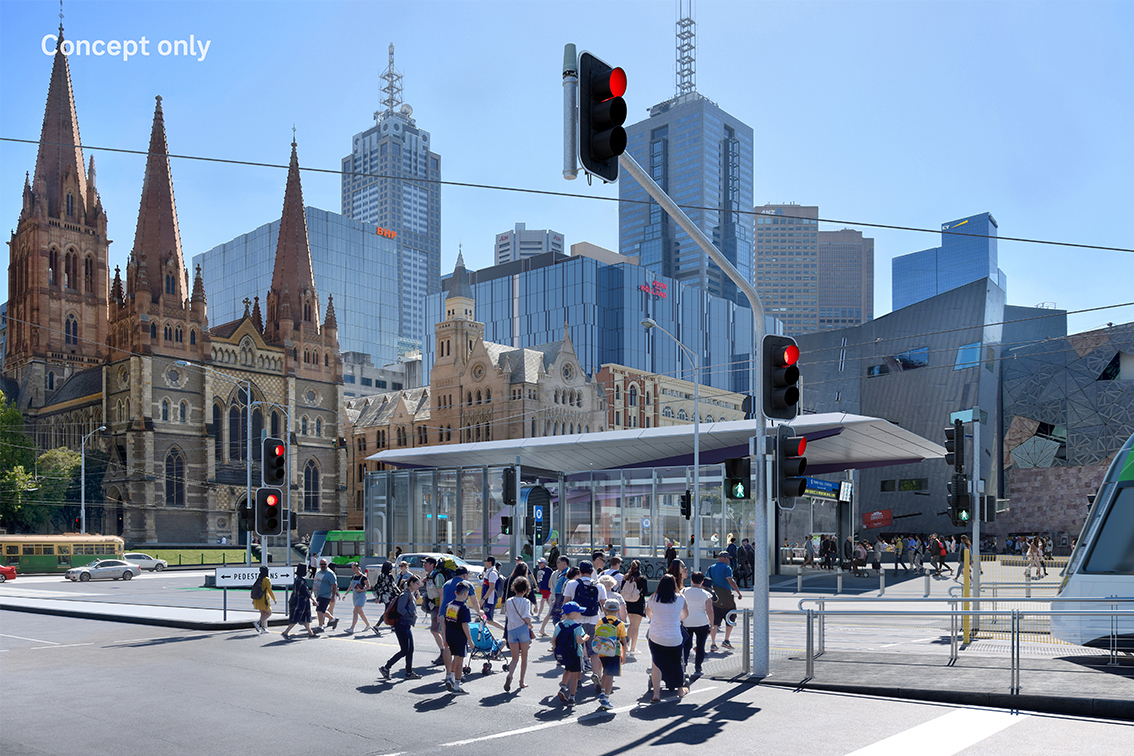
[18, 494]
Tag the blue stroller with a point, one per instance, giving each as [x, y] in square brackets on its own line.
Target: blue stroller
[484, 647]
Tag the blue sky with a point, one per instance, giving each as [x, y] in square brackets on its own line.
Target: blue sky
[908, 113]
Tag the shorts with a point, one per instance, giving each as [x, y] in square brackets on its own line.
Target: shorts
[521, 634]
[459, 648]
[588, 649]
[321, 603]
[611, 666]
[573, 665]
[545, 592]
[720, 612]
[435, 620]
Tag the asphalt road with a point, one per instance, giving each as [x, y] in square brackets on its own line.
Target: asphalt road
[76, 686]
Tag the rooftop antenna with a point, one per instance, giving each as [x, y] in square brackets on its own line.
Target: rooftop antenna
[686, 33]
[392, 89]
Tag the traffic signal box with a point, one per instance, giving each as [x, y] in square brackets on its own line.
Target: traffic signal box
[269, 512]
[781, 377]
[273, 465]
[738, 478]
[505, 525]
[687, 505]
[790, 463]
[247, 518]
[960, 501]
[602, 111]
[955, 447]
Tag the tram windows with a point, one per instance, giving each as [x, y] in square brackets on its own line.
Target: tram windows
[1113, 551]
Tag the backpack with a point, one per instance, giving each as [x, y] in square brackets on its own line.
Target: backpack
[392, 614]
[258, 589]
[586, 596]
[606, 641]
[566, 650]
[498, 589]
[447, 566]
[630, 591]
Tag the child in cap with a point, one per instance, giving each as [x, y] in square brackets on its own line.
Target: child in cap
[567, 641]
[457, 636]
[610, 645]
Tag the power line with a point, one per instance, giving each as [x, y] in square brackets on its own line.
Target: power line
[568, 195]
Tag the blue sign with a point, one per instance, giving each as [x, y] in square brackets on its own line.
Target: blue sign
[821, 489]
[538, 513]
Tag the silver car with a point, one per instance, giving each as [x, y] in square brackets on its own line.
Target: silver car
[146, 562]
[103, 569]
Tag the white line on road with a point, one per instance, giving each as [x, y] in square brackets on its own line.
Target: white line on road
[64, 645]
[549, 725]
[946, 735]
[915, 640]
[33, 640]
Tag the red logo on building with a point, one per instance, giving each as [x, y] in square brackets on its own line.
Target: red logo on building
[657, 289]
[385, 232]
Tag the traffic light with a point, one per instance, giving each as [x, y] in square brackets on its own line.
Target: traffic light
[247, 518]
[602, 111]
[790, 463]
[960, 502]
[955, 447]
[687, 505]
[508, 495]
[505, 525]
[781, 377]
[273, 467]
[738, 478]
[269, 512]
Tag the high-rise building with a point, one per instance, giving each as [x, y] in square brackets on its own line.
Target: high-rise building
[352, 263]
[967, 253]
[378, 188]
[522, 243]
[846, 279]
[702, 157]
[787, 265]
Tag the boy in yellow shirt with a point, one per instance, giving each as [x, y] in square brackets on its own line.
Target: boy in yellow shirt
[610, 645]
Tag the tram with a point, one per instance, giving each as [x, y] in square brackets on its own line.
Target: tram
[1102, 563]
[57, 553]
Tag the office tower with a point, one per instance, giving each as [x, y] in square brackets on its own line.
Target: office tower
[378, 188]
[702, 157]
[787, 264]
[352, 262]
[967, 253]
[846, 279]
[522, 243]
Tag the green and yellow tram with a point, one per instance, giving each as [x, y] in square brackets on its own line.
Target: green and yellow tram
[338, 546]
[57, 553]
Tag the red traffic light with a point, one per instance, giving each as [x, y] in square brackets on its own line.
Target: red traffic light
[617, 82]
[278, 450]
[786, 356]
[272, 500]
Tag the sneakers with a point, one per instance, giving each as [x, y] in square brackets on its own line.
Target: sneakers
[727, 645]
[450, 684]
[348, 631]
[563, 695]
[385, 672]
[334, 623]
[411, 675]
[713, 648]
[596, 679]
[570, 700]
[457, 687]
[604, 703]
[256, 625]
[375, 629]
[436, 662]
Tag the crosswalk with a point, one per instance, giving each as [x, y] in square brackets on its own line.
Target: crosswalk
[945, 735]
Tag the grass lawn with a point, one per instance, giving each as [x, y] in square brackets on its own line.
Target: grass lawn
[176, 557]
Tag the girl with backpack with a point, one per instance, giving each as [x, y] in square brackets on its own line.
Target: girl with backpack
[262, 599]
[634, 591]
[358, 586]
[299, 612]
[385, 590]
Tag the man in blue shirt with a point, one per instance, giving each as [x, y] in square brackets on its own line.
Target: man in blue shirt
[326, 588]
[720, 575]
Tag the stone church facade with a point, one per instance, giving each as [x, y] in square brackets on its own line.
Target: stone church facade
[138, 356]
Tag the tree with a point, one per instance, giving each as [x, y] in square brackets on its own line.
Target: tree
[19, 510]
[59, 481]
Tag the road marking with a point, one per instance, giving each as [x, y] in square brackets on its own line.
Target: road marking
[946, 735]
[915, 640]
[33, 640]
[549, 725]
[45, 594]
[64, 645]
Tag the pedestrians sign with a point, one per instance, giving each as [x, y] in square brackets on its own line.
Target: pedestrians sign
[645, 523]
[244, 576]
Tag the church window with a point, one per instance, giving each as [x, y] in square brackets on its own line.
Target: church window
[165, 410]
[311, 487]
[557, 396]
[71, 330]
[218, 433]
[167, 332]
[238, 426]
[303, 425]
[179, 335]
[319, 426]
[182, 411]
[193, 338]
[51, 381]
[468, 398]
[326, 359]
[88, 275]
[153, 330]
[174, 479]
[488, 396]
[682, 415]
[70, 204]
[478, 397]
[169, 288]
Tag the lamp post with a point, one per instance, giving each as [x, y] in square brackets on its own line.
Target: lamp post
[247, 385]
[83, 479]
[649, 323]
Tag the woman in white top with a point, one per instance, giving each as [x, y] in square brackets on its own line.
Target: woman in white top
[611, 585]
[666, 609]
[518, 618]
[699, 603]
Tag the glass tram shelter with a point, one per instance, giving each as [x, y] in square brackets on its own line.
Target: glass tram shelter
[619, 487]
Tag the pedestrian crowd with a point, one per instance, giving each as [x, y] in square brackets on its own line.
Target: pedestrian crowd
[595, 608]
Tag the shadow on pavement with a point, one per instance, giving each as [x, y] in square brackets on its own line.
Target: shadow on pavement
[718, 711]
[162, 641]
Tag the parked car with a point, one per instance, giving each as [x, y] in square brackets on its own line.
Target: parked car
[103, 569]
[416, 564]
[7, 573]
[146, 562]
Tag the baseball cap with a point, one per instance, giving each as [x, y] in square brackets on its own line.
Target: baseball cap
[571, 608]
[586, 567]
[722, 553]
[612, 605]
[541, 560]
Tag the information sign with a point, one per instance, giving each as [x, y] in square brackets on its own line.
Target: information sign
[244, 576]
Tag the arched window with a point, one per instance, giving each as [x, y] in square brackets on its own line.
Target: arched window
[682, 415]
[307, 310]
[326, 359]
[617, 392]
[557, 396]
[310, 487]
[708, 418]
[633, 396]
[153, 330]
[572, 431]
[487, 396]
[182, 412]
[165, 410]
[193, 338]
[174, 479]
[69, 270]
[588, 430]
[53, 268]
[180, 335]
[318, 426]
[70, 204]
[667, 412]
[533, 427]
[238, 426]
[88, 275]
[468, 398]
[218, 433]
[448, 433]
[168, 283]
[51, 381]
[303, 425]
[478, 396]
[71, 330]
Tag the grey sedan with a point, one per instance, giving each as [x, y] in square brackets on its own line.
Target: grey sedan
[103, 569]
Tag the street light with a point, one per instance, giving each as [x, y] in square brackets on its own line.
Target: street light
[83, 479]
[649, 323]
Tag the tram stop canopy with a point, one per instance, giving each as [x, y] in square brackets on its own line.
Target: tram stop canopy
[835, 442]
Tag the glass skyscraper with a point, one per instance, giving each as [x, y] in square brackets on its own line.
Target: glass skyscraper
[702, 157]
[375, 190]
[967, 253]
[529, 302]
[350, 261]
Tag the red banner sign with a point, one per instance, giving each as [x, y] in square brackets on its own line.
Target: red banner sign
[881, 518]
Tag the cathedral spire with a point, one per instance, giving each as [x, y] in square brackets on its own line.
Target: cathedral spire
[157, 241]
[331, 321]
[59, 163]
[293, 282]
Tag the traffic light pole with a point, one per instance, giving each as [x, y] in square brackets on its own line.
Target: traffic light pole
[976, 509]
[763, 546]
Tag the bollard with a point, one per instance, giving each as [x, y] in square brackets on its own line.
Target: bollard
[881, 581]
[839, 580]
[1027, 584]
[224, 559]
[927, 585]
[799, 580]
[810, 646]
[822, 628]
[178, 560]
